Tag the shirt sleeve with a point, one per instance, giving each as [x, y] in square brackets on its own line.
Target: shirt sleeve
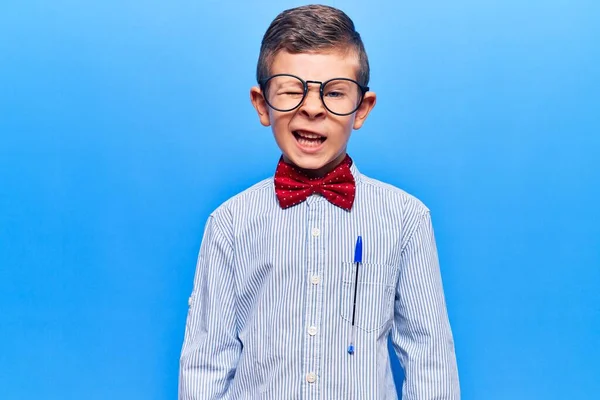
[421, 333]
[211, 347]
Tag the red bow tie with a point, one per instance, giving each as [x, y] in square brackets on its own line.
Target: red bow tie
[293, 187]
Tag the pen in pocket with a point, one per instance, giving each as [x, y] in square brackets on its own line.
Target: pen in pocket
[357, 261]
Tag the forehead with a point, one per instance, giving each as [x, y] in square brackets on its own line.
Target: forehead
[316, 66]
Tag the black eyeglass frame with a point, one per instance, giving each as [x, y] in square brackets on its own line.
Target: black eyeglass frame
[364, 90]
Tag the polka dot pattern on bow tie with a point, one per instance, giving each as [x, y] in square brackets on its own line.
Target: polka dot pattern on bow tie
[292, 186]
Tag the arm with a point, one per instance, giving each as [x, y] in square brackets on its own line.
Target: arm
[421, 332]
[210, 349]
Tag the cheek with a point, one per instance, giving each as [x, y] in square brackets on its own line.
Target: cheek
[279, 123]
[344, 126]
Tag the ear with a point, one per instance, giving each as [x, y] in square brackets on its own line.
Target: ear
[365, 108]
[259, 103]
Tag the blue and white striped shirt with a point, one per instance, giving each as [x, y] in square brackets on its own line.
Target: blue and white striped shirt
[271, 308]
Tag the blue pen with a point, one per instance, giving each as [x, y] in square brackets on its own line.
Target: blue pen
[357, 261]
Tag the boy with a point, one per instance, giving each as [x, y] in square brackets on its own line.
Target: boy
[301, 278]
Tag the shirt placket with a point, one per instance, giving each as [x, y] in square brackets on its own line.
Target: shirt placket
[314, 297]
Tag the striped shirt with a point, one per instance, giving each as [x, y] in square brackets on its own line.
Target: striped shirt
[271, 308]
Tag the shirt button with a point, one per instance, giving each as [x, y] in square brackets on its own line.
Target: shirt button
[311, 377]
[312, 331]
[316, 232]
[315, 279]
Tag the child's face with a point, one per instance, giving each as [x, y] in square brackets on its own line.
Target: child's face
[310, 136]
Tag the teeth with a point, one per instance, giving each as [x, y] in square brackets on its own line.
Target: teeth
[309, 135]
[308, 143]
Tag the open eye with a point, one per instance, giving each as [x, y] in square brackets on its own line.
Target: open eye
[335, 94]
[339, 89]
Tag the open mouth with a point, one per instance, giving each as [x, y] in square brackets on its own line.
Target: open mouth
[309, 139]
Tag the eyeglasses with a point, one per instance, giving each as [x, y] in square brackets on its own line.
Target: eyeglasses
[340, 96]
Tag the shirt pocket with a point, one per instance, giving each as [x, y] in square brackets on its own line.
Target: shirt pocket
[374, 295]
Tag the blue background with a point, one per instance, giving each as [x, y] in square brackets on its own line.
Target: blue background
[123, 124]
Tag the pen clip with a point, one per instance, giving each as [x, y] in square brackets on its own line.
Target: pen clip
[358, 250]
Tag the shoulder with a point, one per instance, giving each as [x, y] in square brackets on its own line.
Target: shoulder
[400, 211]
[391, 196]
[256, 197]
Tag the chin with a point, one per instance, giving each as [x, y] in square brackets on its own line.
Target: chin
[311, 163]
[308, 164]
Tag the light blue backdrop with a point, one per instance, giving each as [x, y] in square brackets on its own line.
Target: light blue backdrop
[124, 123]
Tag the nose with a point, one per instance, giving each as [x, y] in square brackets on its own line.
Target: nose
[312, 106]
